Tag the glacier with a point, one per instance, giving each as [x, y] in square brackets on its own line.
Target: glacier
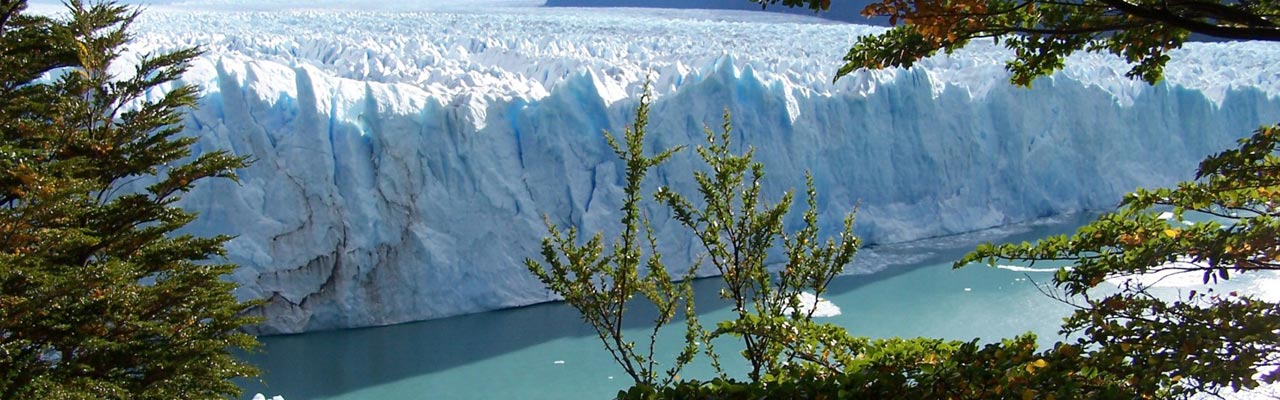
[404, 160]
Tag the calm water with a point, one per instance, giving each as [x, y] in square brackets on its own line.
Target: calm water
[546, 352]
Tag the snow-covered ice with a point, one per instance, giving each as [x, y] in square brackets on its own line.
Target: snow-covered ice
[404, 160]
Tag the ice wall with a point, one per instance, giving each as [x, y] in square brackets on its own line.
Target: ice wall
[404, 162]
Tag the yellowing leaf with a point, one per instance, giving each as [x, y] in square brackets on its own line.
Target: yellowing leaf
[1037, 364]
[1172, 233]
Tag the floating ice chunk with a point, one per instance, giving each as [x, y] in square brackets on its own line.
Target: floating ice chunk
[1267, 288]
[558, 362]
[825, 308]
[1019, 268]
[968, 289]
[1266, 391]
[1168, 275]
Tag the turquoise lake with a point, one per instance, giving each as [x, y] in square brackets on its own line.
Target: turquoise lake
[546, 352]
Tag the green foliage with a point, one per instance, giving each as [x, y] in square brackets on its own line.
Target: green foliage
[99, 296]
[601, 286]
[924, 368]
[1210, 339]
[737, 229]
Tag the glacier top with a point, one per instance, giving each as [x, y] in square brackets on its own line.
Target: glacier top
[512, 50]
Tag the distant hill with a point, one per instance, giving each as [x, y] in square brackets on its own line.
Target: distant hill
[848, 11]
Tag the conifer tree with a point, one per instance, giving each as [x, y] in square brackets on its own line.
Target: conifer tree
[101, 295]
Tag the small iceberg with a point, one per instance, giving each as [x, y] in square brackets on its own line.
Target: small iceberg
[824, 307]
[1019, 268]
[1183, 273]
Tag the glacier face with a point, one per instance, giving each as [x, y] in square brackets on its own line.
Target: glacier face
[404, 160]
